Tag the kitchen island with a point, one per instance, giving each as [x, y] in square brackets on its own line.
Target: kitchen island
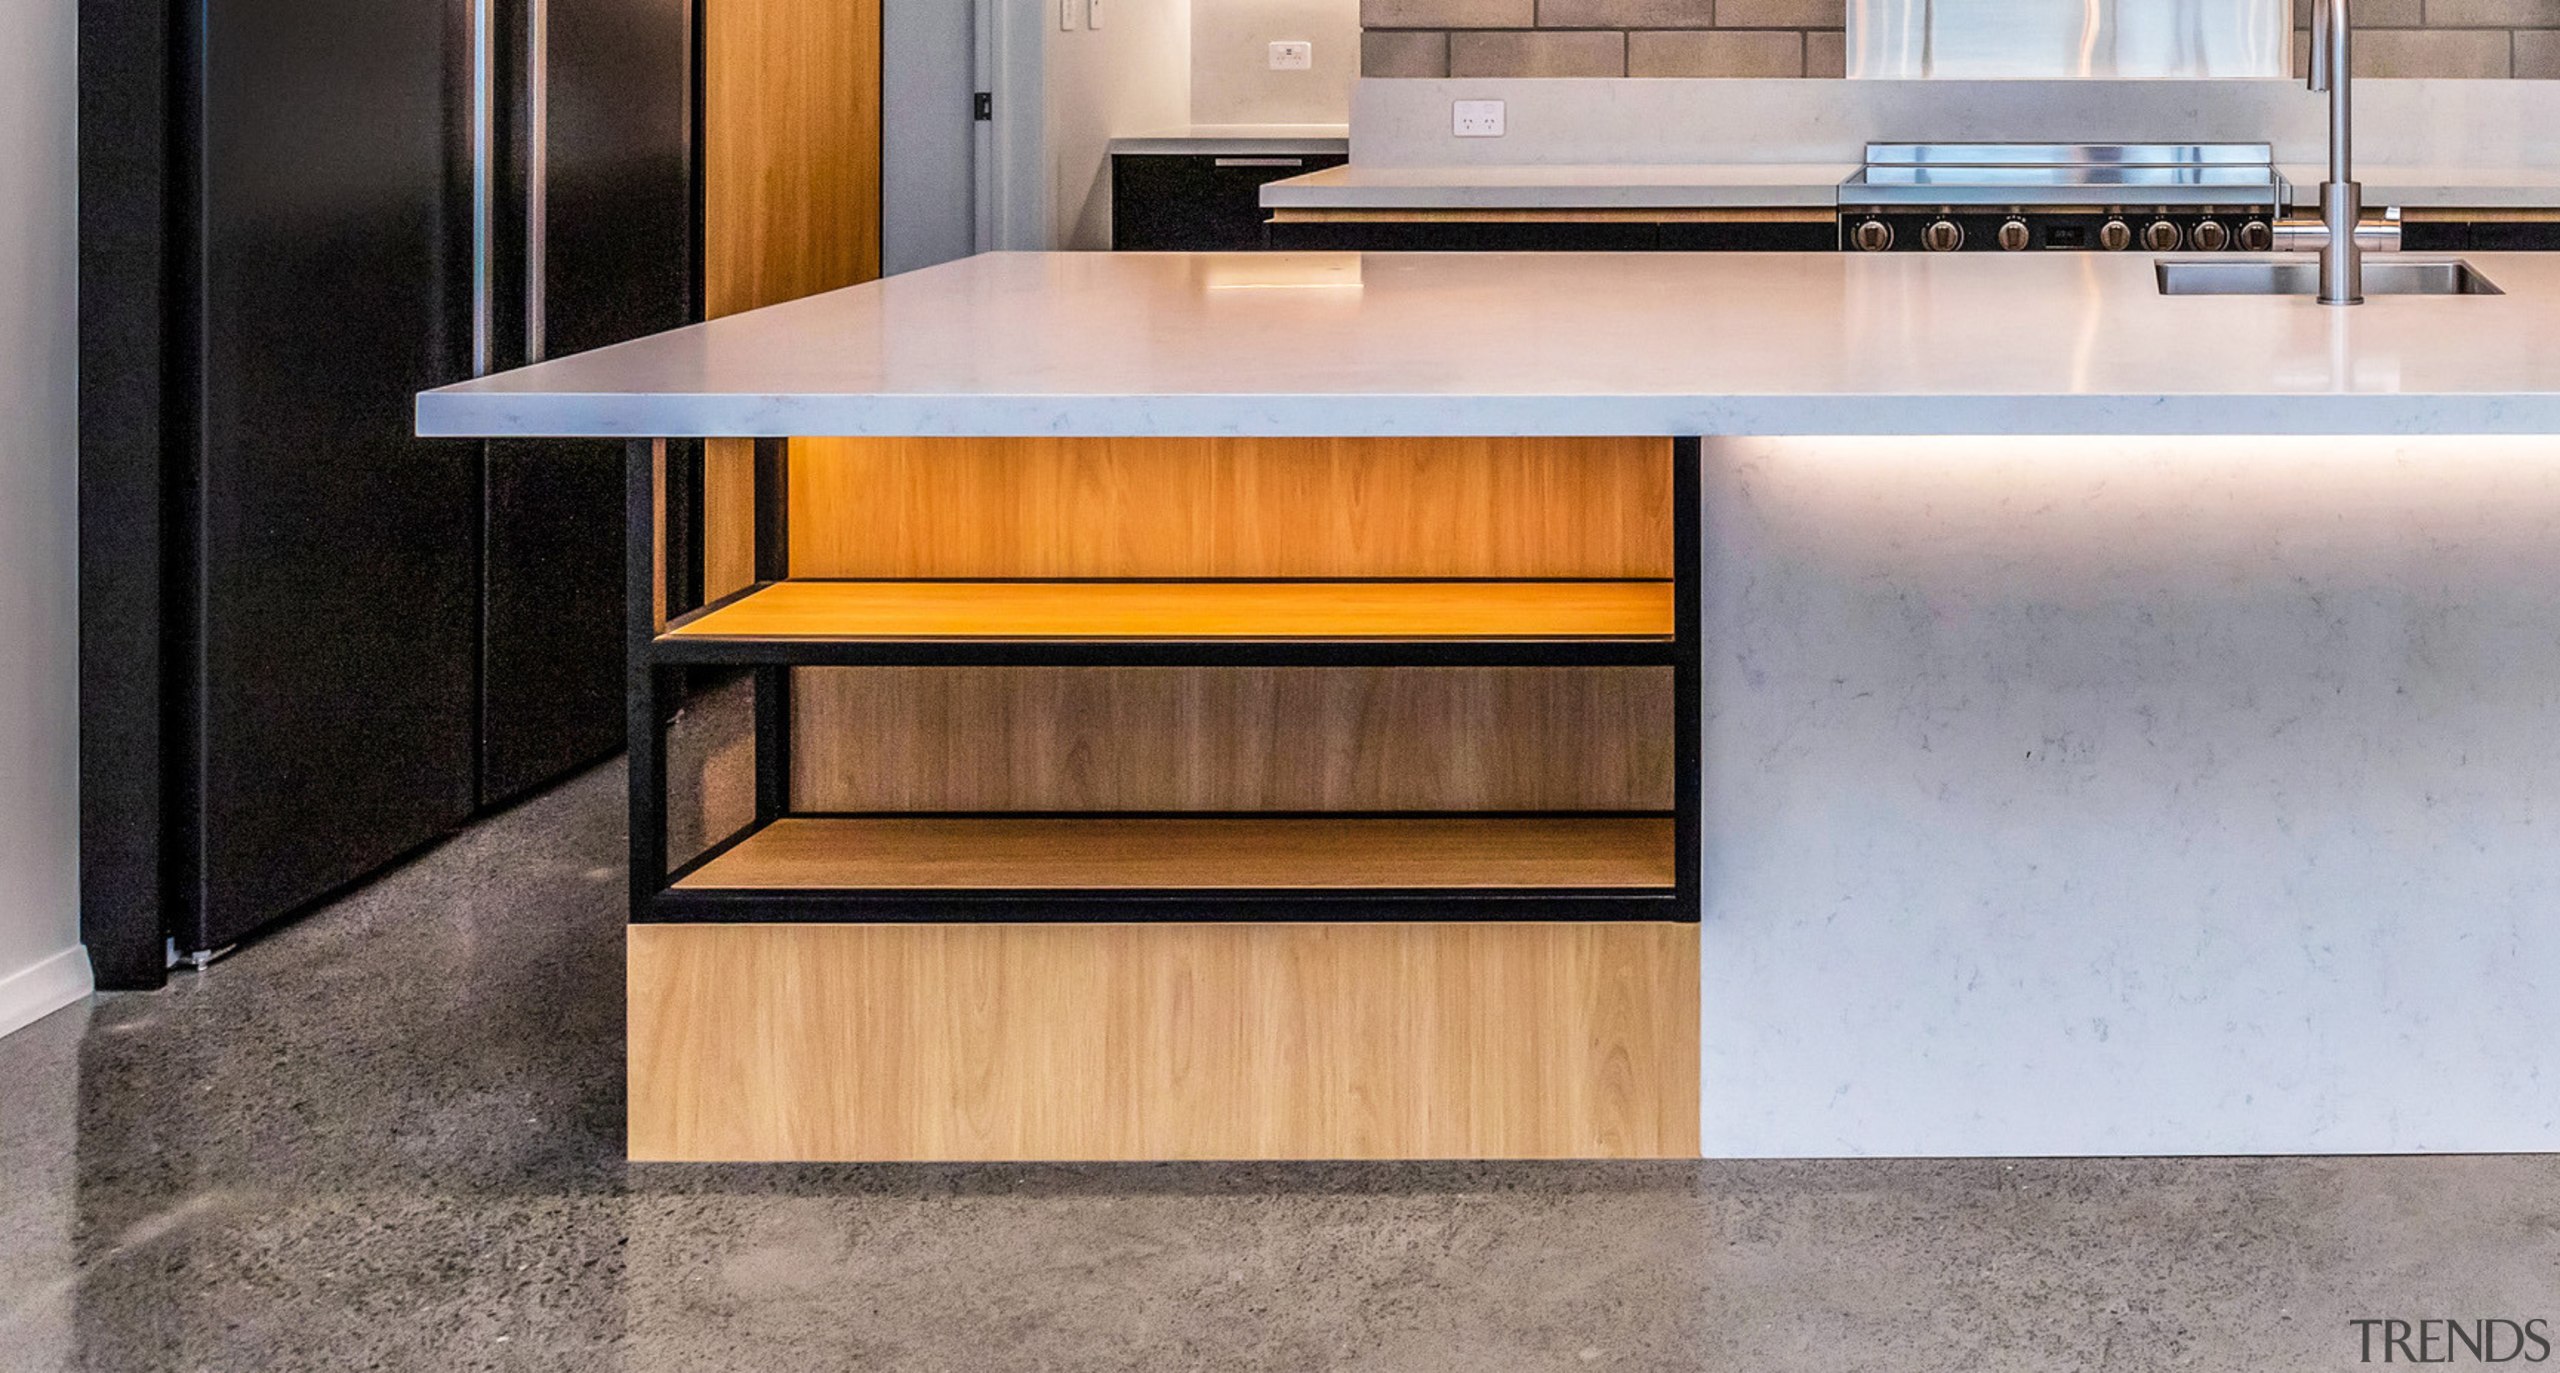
[1591, 705]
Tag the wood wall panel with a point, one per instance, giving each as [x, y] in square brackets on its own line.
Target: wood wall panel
[728, 516]
[791, 149]
[1198, 853]
[1036, 507]
[1148, 738]
[1247, 1041]
[791, 196]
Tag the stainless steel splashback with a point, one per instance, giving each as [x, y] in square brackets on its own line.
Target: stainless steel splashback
[2004, 39]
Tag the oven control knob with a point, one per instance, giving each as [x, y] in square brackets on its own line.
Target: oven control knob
[2160, 236]
[2013, 236]
[1872, 236]
[1942, 236]
[2256, 237]
[2115, 235]
[2210, 236]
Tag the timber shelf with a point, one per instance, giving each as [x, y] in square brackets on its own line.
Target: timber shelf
[1124, 867]
[1435, 796]
[815, 621]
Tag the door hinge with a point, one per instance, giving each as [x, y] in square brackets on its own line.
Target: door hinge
[985, 105]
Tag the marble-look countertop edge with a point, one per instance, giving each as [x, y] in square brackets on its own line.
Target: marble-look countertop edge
[1415, 416]
[1214, 139]
[1286, 344]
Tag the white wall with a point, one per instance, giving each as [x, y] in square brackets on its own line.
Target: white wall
[928, 192]
[42, 966]
[1131, 76]
[1231, 77]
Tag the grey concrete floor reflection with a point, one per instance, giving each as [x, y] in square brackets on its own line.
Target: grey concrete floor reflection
[389, 1137]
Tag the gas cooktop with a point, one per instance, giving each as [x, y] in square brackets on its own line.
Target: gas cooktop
[1982, 197]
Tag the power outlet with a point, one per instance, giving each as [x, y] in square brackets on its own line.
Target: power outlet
[1292, 55]
[1067, 14]
[1475, 118]
[1093, 14]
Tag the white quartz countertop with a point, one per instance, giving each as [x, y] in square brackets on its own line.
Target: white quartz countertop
[1782, 185]
[1239, 138]
[1554, 343]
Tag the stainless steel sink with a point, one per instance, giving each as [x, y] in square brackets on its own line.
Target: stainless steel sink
[2299, 276]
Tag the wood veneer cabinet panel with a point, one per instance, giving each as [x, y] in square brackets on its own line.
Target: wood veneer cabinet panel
[1203, 854]
[728, 516]
[1150, 738]
[1184, 1041]
[1436, 507]
[791, 149]
[1194, 610]
[791, 197]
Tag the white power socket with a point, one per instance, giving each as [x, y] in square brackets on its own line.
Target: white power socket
[1475, 118]
[1093, 14]
[1292, 55]
[1067, 15]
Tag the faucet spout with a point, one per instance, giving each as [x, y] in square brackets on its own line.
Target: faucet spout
[2341, 196]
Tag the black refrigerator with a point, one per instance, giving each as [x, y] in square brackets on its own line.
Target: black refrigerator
[313, 643]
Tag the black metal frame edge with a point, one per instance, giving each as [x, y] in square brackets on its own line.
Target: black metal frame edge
[1688, 671]
[645, 730]
[772, 486]
[684, 532]
[773, 509]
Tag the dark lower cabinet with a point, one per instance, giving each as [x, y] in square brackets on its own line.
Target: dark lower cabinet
[1198, 202]
[2485, 236]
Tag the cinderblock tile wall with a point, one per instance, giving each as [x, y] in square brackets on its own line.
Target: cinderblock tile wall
[2486, 38]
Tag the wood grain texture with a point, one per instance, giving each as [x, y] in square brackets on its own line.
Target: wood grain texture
[1096, 852]
[791, 149]
[1036, 507]
[728, 516]
[791, 197]
[1151, 738]
[994, 1042]
[1193, 610]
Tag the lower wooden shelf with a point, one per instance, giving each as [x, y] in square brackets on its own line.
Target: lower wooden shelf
[1187, 610]
[1202, 854]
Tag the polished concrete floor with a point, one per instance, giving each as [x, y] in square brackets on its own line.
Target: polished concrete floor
[389, 1137]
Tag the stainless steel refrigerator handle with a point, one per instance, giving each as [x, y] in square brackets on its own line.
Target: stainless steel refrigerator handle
[484, 191]
[537, 175]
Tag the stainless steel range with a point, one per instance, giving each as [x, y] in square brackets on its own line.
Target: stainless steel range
[2062, 197]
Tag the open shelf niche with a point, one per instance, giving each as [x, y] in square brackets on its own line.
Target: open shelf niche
[1440, 790]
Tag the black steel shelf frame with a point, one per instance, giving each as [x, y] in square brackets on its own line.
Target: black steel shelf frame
[662, 519]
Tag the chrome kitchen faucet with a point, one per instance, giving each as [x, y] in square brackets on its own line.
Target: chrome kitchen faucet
[2341, 198]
